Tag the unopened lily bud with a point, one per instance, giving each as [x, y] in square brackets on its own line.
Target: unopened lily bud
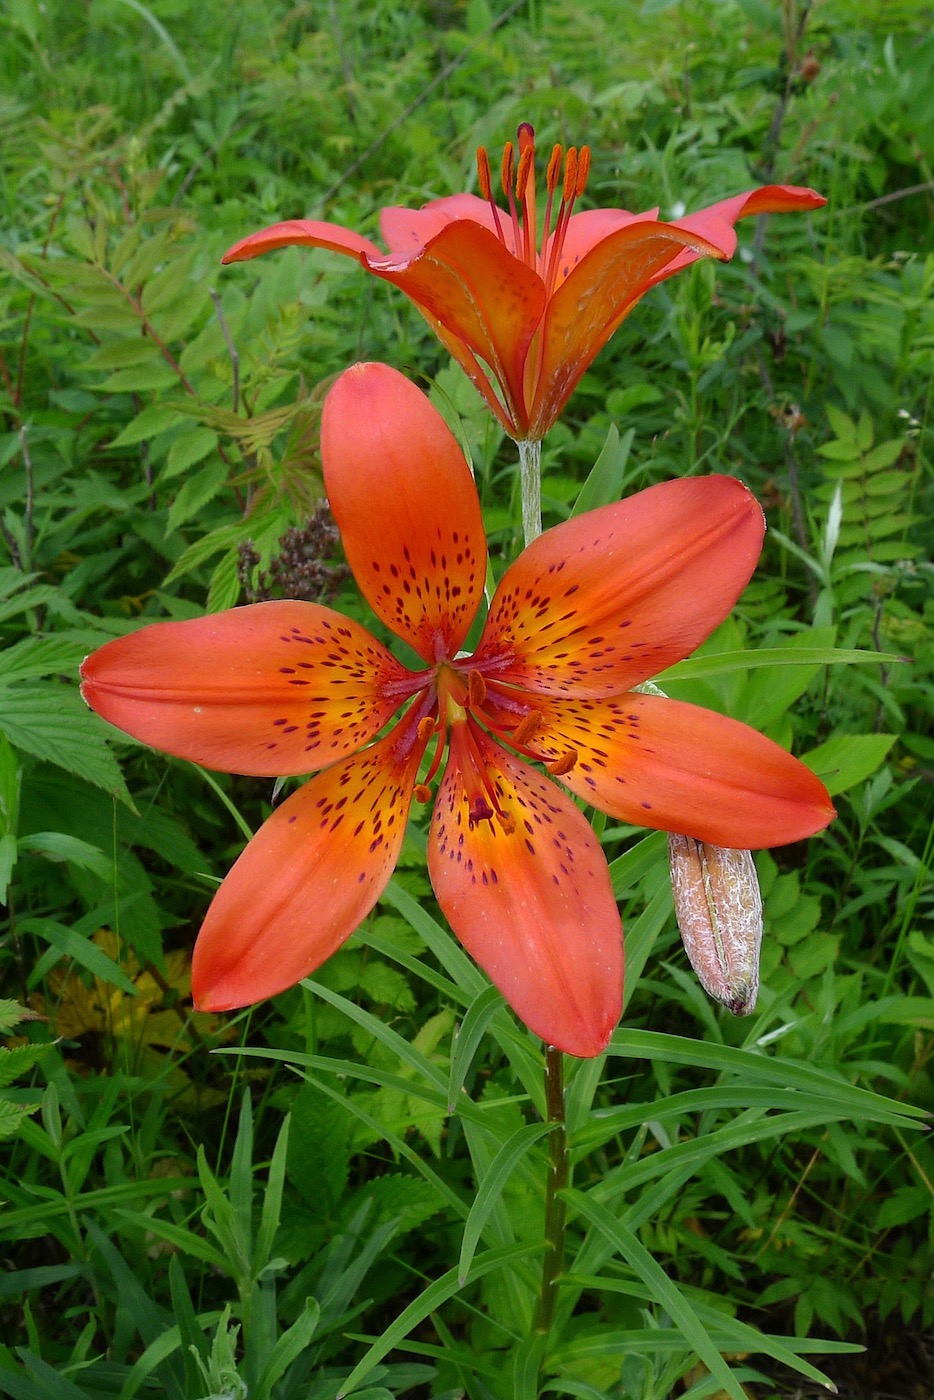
[719, 912]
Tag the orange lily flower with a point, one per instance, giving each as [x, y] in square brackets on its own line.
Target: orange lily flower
[589, 610]
[524, 318]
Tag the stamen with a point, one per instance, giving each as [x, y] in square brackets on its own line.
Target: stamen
[476, 689]
[526, 729]
[483, 174]
[426, 727]
[562, 765]
[525, 194]
[422, 793]
[583, 170]
[570, 175]
[507, 168]
[554, 168]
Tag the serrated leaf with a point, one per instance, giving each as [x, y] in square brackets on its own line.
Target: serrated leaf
[19, 1060]
[189, 448]
[11, 1117]
[153, 420]
[43, 656]
[195, 493]
[51, 723]
[142, 379]
[122, 354]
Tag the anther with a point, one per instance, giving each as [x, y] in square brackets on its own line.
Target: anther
[507, 167]
[563, 765]
[553, 173]
[506, 822]
[422, 792]
[583, 170]
[480, 811]
[526, 729]
[425, 728]
[483, 174]
[476, 689]
[526, 160]
[570, 175]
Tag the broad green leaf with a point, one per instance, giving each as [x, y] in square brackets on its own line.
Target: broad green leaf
[848, 759]
[605, 482]
[141, 379]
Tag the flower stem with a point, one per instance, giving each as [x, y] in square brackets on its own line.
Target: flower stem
[530, 471]
[558, 1178]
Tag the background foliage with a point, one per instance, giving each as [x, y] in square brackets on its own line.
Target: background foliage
[167, 1229]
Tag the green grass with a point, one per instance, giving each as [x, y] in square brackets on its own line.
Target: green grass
[164, 1232]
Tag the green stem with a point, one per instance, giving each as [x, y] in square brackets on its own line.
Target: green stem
[558, 1180]
[530, 472]
[559, 1170]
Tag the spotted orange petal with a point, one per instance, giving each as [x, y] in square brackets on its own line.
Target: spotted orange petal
[312, 872]
[676, 767]
[612, 597]
[591, 302]
[309, 233]
[407, 507]
[466, 279]
[268, 689]
[534, 907]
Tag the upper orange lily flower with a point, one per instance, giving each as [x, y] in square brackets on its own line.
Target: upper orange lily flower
[589, 610]
[525, 317]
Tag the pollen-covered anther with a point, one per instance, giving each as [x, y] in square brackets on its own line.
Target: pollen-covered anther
[526, 729]
[422, 793]
[562, 765]
[426, 727]
[570, 175]
[507, 167]
[583, 171]
[553, 172]
[484, 179]
[506, 822]
[476, 689]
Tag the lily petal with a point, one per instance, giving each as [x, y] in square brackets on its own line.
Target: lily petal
[312, 872]
[407, 507]
[466, 279]
[614, 596]
[269, 689]
[311, 233]
[592, 301]
[715, 223]
[534, 907]
[408, 230]
[677, 767]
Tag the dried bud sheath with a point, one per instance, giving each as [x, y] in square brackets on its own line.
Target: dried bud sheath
[719, 912]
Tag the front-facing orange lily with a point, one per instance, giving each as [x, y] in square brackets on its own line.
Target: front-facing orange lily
[589, 610]
[524, 316]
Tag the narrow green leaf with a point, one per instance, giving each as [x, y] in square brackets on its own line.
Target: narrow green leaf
[471, 1031]
[605, 482]
[660, 1287]
[431, 1298]
[84, 952]
[491, 1187]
